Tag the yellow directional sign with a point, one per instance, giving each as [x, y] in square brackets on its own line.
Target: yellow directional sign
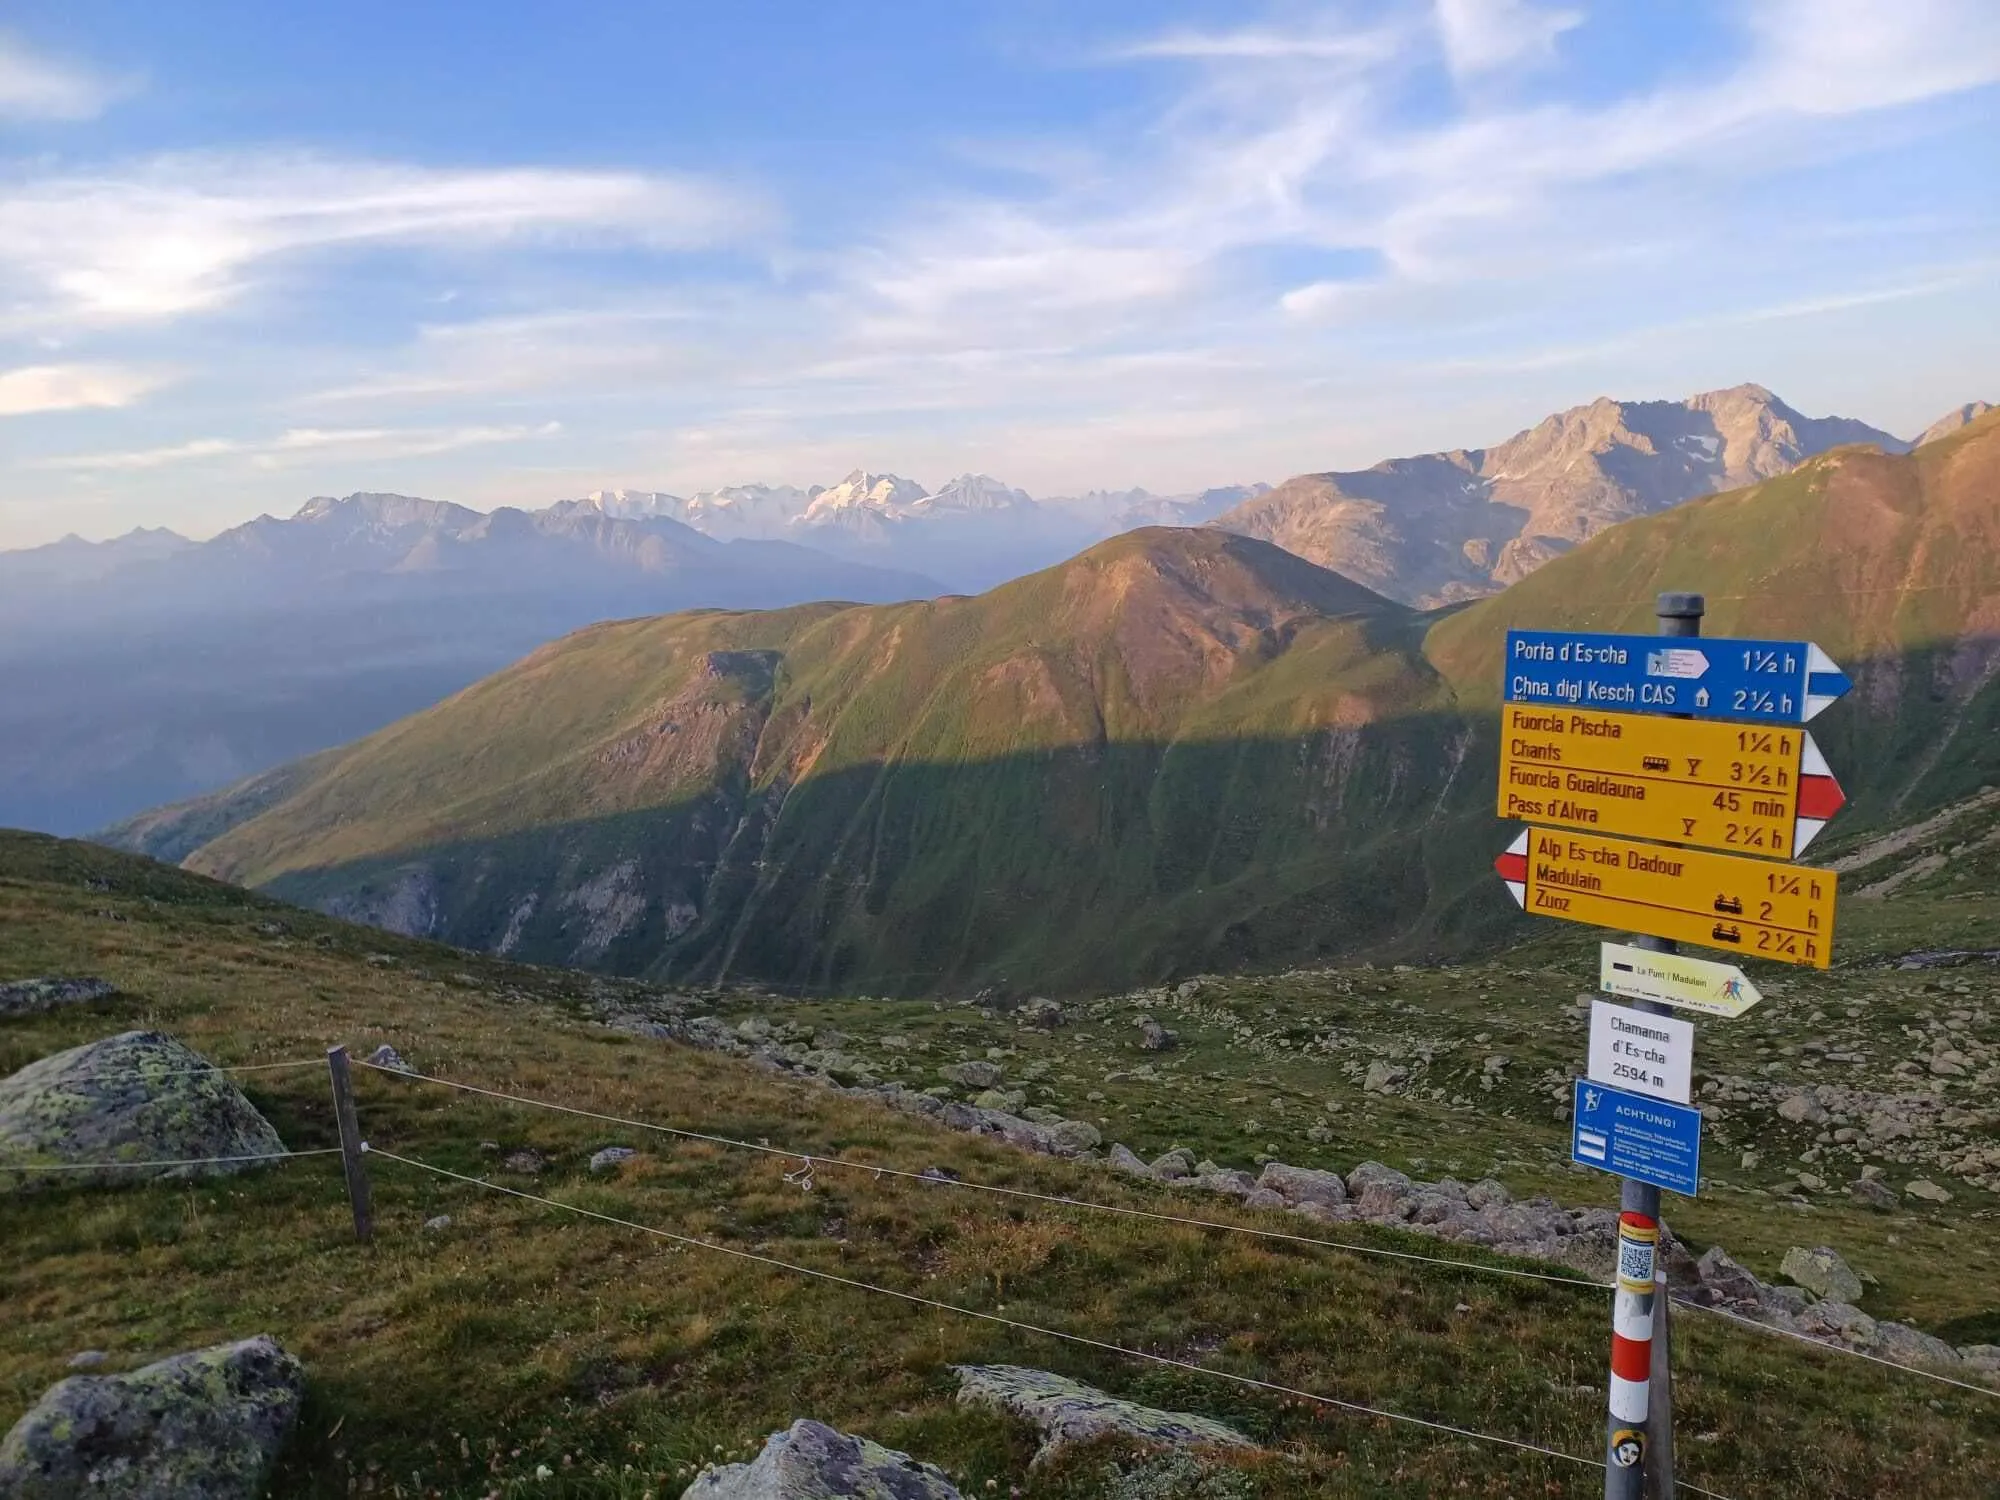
[1747, 788]
[1717, 900]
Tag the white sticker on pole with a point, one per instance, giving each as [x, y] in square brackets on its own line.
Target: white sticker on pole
[1642, 1053]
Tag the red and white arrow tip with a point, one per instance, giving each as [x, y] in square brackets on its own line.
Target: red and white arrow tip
[1820, 797]
[1513, 868]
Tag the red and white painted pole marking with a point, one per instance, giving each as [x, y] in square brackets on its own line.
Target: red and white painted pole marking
[1632, 1340]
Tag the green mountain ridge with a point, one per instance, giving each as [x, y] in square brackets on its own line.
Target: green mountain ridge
[1179, 750]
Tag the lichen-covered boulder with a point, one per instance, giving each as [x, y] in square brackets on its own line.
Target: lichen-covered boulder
[139, 1096]
[206, 1425]
[1822, 1272]
[811, 1461]
[1068, 1411]
[30, 997]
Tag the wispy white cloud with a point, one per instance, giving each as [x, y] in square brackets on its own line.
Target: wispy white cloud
[361, 444]
[182, 234]
[1479, 36]
[1256, 44]
[34, 86]
[71, 387]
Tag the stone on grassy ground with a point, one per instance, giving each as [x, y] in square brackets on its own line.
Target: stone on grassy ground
[1822, 1272]
[1874, 1194]
[1303, 1184]
[811, 1461]
[971, 1074]
[611, 1158]
[1912, 1346]
[138, 1096]
[1068, 1411]
[30, 997]
[1120, 1158]
[206, 1425]
[388, 1057]
[1926, 1191]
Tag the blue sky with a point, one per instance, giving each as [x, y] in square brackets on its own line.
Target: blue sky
[511, 252]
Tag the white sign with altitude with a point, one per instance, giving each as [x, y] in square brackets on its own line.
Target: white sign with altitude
[1642, 1053]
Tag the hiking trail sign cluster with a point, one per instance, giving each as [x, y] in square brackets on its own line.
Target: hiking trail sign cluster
[1665, 782]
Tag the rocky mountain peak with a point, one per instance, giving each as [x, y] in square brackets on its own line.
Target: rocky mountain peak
[1951, 421]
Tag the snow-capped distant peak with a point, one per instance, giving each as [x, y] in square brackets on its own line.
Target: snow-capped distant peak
[980, 492]
[862, 490]
[632, 505]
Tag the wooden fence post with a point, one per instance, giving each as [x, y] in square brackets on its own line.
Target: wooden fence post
[352, 1148]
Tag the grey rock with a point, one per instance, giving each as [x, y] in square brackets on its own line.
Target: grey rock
[1836, 1319]
[972, 1074]
[1156, 1038]
[205, 1425]
[1984, 1358]
[1912, 1346]
[1072, 1136]
[1384, 1077]
[1068, 1411]
[86, 1359]
[1006, 1100]
[1259, 1197]
[1725, 1283]
[1187, 989]
[1380, 1193]
[1222, 1180]
[1926, 1191]
[1486, 1193]
[386, 1056]
[30, 997]
[1303, 1184]
[527, 1161]
[1781, 1302]
[138, 1096]
[1122, 1158]
[611, 1158]
[811, 1461]
[1802, 1109]
[1173, 1164]
[438, 1224]
[1874, 1194]
[1822, 1272]
[1043, 1012]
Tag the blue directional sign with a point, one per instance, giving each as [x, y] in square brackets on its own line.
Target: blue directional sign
[1651, 1140]
[1782, 682]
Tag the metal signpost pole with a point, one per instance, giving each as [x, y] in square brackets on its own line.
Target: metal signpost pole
[1632, 1420]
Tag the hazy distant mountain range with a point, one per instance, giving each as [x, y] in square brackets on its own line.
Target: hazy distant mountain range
[1180, 750]
[972, 532]
[151, 667]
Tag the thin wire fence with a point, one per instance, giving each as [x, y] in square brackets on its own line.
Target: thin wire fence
[192, 1161]
[916, 1298]
[1056, 1199]
[1831, 1348]
[1188, 1221]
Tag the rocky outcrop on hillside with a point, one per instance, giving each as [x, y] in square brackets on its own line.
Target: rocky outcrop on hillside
[206, 1425]
[1068, 1411]
[1485, 1214]
[1456, 525]
[29, 997]
[140, 1096]
[811, 1461]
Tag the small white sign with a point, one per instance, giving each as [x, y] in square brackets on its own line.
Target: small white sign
[1641, 1053]
[1674, 979]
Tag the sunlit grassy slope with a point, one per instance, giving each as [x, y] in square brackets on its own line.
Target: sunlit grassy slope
[455, 1363]
[1178, 751]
